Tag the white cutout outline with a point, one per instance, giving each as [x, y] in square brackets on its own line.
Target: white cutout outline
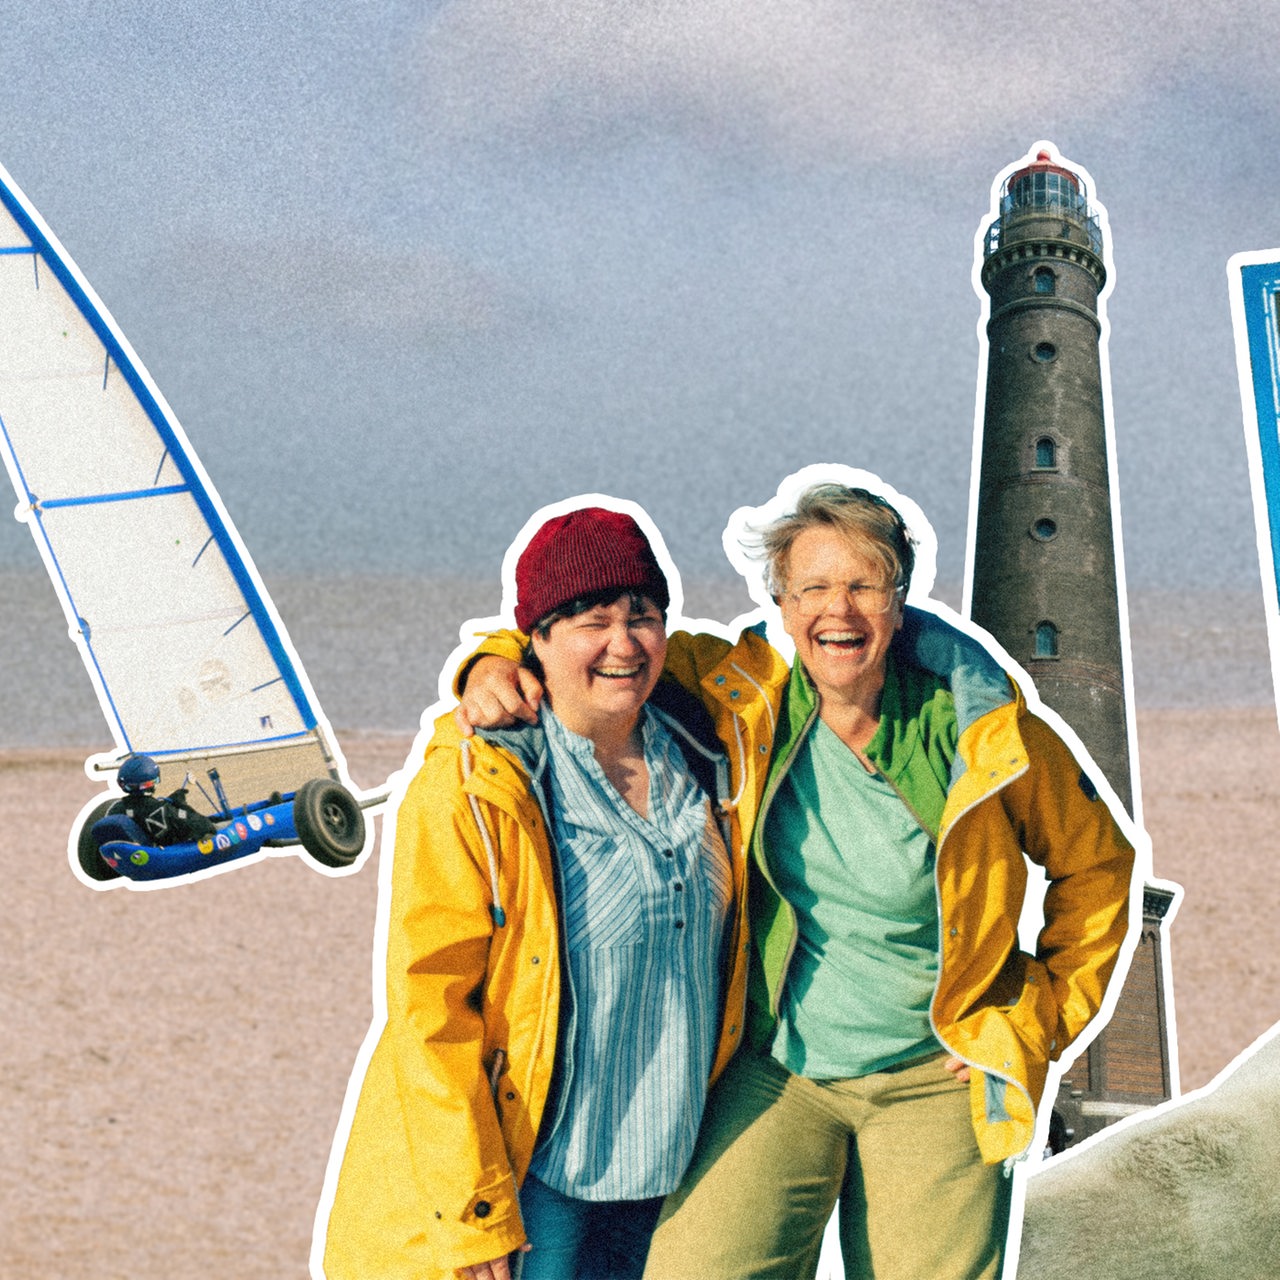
[740, 523]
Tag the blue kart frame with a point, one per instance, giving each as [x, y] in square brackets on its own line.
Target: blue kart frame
[322, 816]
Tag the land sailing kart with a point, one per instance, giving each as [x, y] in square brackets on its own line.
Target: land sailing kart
[322, 815]
[190, 661]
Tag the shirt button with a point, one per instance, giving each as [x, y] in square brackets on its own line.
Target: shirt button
[719, 679]
[679, 924]
[483, 1209]
[667, 853]
[677, 886]
[733, 693]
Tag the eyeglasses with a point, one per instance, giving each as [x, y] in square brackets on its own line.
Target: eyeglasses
[818, 597]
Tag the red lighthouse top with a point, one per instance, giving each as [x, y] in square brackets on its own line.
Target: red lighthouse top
[1043, 163]
[1043, 198]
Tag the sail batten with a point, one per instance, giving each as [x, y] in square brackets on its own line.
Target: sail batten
[46, 503]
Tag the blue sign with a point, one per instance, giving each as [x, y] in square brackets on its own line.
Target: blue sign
[1255, 287]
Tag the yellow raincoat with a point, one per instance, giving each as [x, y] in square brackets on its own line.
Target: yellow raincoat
[455, 1090]
[445, 1126]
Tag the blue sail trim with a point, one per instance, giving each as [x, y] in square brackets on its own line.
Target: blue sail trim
[43, 250]
[91, 499]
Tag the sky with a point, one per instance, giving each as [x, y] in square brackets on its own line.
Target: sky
[407, 271]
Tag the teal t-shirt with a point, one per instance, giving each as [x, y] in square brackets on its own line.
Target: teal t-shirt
[849, 856]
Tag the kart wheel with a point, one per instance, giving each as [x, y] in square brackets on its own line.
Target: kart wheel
[329, 822]
[87, 852]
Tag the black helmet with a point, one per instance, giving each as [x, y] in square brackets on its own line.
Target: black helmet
[138, 773]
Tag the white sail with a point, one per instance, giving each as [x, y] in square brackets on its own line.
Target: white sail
[188, 657]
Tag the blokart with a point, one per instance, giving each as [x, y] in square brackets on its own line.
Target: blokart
[322, 815]
[191, 663]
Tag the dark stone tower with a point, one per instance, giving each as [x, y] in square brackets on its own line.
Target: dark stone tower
[1043, 575]
[1044, 566]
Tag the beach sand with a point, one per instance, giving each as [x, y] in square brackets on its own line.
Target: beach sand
[176, 1059]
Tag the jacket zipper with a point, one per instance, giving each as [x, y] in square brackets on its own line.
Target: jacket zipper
[775, 781]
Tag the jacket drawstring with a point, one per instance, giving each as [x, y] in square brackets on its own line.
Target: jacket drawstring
[737, 732]
[499, 915]
[764, 698]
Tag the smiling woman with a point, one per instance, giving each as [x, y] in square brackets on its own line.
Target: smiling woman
[600, 659]
[893, 1021]
[566, 959]
[842, 616]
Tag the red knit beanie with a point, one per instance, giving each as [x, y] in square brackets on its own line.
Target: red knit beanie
[580, 552]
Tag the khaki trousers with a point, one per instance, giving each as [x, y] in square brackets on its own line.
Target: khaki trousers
[776, 1152]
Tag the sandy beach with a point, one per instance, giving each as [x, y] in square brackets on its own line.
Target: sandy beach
[177, 1058]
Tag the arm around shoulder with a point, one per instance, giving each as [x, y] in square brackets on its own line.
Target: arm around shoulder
[692, 656]
[509, 644]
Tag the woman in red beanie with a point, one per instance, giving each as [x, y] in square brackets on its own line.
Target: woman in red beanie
[566, 945]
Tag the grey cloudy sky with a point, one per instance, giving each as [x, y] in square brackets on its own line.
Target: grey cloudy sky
[405, 271]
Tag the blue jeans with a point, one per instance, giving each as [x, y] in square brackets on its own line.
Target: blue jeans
[583, 1239]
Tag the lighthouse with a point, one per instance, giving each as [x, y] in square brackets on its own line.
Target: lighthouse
[1044, 579]
[1044, 562]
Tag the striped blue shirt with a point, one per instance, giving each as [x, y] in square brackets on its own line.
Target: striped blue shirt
[644, 903]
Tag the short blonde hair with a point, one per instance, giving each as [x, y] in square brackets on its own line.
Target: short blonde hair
[869, 523]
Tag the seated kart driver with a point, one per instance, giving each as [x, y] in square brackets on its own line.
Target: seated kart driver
[164, 820]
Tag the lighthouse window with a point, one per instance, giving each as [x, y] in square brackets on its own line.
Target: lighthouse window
[1046, 640]
[1044, 529]
[1043, 280]
[1046, 454]
[1044, 352]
